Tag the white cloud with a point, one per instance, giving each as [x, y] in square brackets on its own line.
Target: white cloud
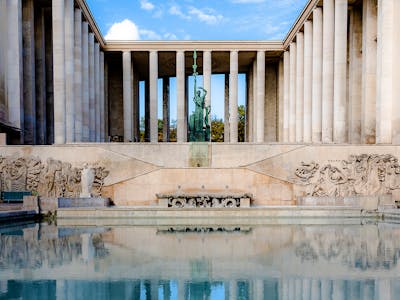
[149, 34]
[205, 16]
[170, 36]
[146, 5]
[175, 10]
[125, 30]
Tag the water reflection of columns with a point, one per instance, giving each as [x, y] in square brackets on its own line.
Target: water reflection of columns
[383, 289]
[87, 247]
[315, 290]
[338, 290]
[326, 289]
[258, 289]
[181, 290]
[232, 290]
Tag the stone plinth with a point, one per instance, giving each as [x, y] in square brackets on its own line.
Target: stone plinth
[204, 200]
[363, 202]
[83, 202]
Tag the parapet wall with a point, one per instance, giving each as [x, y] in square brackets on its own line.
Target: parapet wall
[275, 174]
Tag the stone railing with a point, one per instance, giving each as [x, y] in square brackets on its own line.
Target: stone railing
[204, 200]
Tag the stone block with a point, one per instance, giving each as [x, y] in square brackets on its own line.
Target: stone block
[369, 202]
[163, 202]
[47, 204]
[83, 202]
[31, 203]
[244, 202]
[3, 139]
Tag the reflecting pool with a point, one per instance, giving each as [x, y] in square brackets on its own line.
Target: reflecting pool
[276, 260]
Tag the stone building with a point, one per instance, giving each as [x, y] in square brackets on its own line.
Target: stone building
[332, 81]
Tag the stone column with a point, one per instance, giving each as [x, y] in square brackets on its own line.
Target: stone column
[292, 98]
[92, 94]
[369, 59]
[317, 76]
[396, 73]
[48, 35]
[387, 121]
[327, 70]
[97, 91]
[355, 76]
[286, 95]
[299, 87]
[180, 97]
[85, 82]
[384, 72]
[326, 289]
[338, 289]
[69, 71]
[254, 114]
[3, 51]
[29, 94]
[40, 75]
[78, 75]
[136, 108]
[59, 70]
[106, 110]
[102, 119]
[153, 96]
[250, 105]
[260, 103]
[226, 110]
[166, 109]
[127, 95]
[340, 74]
[147, 111]
[280, 108]
[270, 104]
[308, 58]
[207, 70]
[233, 97]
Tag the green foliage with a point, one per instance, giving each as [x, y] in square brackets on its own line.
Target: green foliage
[241, 122]
[217, 129]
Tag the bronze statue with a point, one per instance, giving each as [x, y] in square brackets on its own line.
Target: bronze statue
[199, 127]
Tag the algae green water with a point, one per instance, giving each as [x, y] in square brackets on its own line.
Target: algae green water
[280, 260]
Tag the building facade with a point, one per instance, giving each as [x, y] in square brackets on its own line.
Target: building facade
[331, 80]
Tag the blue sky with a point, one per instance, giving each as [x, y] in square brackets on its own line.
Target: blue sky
[201, 19]
[196, 20]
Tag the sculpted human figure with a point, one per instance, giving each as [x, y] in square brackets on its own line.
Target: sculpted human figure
[87, 179]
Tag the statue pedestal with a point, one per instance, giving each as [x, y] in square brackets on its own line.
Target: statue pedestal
[83, 202]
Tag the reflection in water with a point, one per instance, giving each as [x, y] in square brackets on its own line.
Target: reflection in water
[40, 261]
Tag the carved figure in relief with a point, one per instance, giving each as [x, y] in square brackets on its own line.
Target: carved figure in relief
[52, 178]
[16, 174]
[365, 174]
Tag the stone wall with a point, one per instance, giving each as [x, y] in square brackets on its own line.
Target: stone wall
[273, 174]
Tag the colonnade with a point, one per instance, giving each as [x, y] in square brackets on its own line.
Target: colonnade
[79, 93]
[256, 95]
[332, 80]
[339, 75]
[51, 73]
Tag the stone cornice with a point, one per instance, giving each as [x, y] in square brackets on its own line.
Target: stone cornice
[191, 45]
[92, 23]
[298, 24]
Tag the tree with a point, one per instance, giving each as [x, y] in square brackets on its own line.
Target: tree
[217, 129]
[241, 123]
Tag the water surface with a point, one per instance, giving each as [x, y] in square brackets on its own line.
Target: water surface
[251, 261]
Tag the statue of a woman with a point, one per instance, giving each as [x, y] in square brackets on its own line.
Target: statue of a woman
[87, 179]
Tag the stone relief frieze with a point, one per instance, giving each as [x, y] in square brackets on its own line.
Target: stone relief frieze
[52, 178]
[365, 174]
